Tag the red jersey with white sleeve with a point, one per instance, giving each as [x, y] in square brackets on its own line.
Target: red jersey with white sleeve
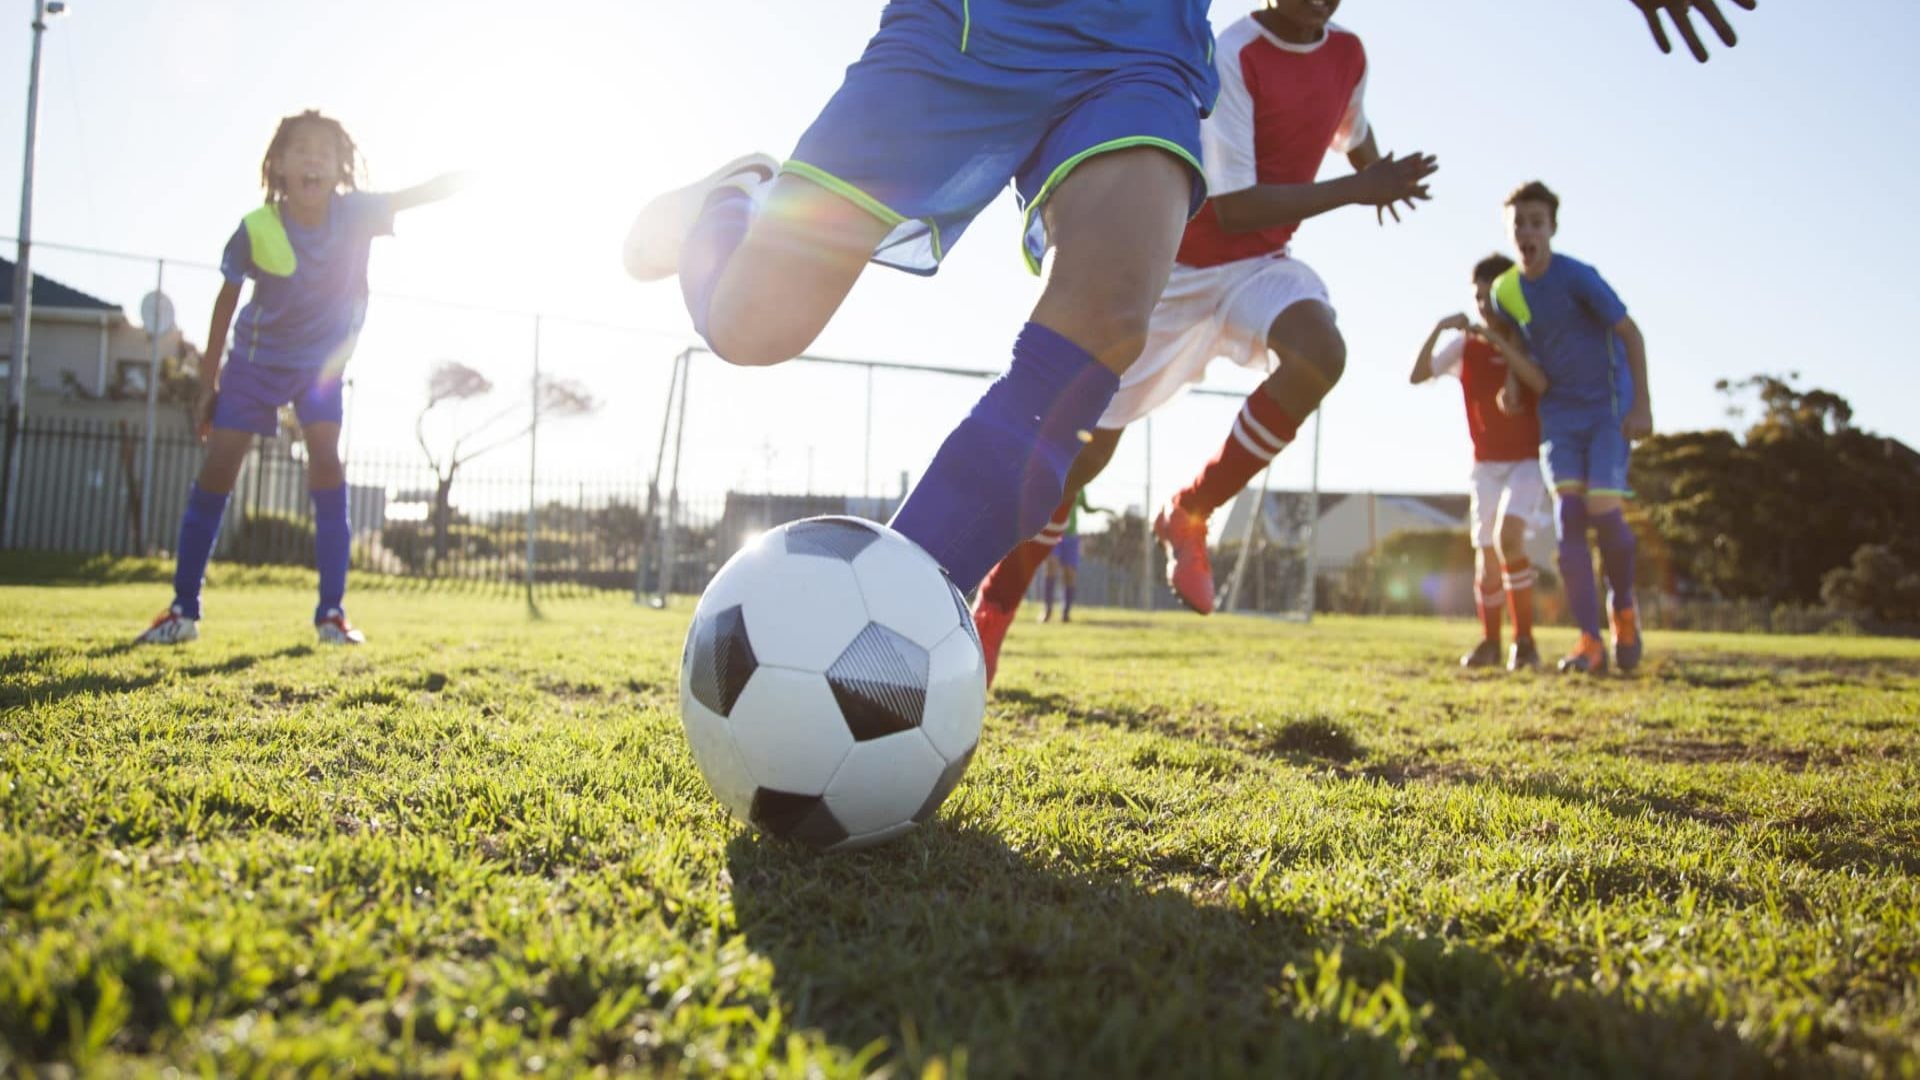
[1482, 371]
[1282, 107]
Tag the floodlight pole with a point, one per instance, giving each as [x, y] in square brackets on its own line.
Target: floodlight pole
[22, 290]
[153, 401]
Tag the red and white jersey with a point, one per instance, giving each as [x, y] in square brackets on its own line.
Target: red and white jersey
[1282, 107]
[1482, 371]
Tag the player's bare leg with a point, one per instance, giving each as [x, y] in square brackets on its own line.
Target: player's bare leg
[800, 259]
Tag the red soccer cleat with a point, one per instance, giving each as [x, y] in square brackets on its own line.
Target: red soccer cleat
[1189, 570]
[991, 622]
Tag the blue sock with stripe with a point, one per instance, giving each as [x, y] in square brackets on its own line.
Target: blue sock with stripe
[997, 478]
[1576, 565]
[1617, 546]
[709, 247]
[199, 529]
[332, 546]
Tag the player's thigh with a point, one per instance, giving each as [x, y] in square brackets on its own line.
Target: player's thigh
[1608, 459]
[1306, 335]
[226, 453]
[1115, 223]
[1483, 504]
[792, 272]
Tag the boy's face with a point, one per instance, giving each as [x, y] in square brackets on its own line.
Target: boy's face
[1483, 301]
[1532, 225]
[1308, 18]
[308, 165]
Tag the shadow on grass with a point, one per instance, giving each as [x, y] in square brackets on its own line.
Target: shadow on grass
[950, 943]
[25, 689]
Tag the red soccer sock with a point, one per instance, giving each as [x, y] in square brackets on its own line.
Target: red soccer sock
[1492, 607]
[1519, 575]
[1006, 584]
[1261, 431]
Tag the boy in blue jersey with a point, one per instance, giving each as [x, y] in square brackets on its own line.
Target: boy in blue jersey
[1090, 108]
[1595, 404]
[305, 250]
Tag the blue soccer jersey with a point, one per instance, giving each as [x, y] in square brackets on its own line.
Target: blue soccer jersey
[1568, 316]
[307, 318]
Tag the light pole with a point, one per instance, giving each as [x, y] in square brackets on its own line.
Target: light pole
[23, 285]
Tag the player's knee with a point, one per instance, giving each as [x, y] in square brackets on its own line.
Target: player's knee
[1513, 541]
[1312, 341]
[743, 344]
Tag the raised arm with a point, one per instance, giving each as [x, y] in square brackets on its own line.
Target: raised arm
[1423, 364]
[1380, 183]
[1519, 361]
[1638, 423]
[1681, 12]
[440, 187]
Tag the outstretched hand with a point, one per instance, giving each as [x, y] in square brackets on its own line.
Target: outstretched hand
[1393, 180]
[1681, 11]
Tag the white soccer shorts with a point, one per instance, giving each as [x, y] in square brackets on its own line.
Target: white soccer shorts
[1503, 489]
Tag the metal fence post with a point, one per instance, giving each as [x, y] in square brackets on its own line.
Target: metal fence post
[673, 490]
[533, 468]
[651, 533]
[1146, 522]
[153, 400]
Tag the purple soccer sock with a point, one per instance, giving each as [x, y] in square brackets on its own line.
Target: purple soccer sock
[1046, 591]
[199, 529]
[1576, 565]
[1617, 547]
[709, 247]
[1066, 606]
[332, 547]
[997, 478]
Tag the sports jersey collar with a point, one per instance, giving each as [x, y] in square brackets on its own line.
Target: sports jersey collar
[1280, 43]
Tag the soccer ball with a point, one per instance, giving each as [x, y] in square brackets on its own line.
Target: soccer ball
[832, 685]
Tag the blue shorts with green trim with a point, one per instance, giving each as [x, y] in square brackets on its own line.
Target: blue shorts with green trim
[1585, 452]
[924, 136]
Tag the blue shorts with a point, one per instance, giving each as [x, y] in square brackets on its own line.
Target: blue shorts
[1068, 551]
[924, 137]
[251, 395]
[1585, 455]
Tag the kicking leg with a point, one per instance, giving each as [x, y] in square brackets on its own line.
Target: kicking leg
[1312, 356]
[1116, 221]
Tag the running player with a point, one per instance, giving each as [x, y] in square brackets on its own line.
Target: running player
[1501, 385]
[1293, 87]
[1063, 562]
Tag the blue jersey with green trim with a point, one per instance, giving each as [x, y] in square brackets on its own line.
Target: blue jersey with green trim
[1568, 316]
[1073, 35]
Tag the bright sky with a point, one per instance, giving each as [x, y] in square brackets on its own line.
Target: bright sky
[1754, 212]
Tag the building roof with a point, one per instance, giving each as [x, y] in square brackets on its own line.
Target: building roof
[48, 293]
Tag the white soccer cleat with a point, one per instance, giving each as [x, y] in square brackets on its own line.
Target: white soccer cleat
[334, 629]
[652, 249]
[171, 628]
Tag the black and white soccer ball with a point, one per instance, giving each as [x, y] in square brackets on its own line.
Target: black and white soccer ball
[832, 684]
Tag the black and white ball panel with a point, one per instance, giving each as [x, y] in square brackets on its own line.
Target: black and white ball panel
[884, 782]
[956, 696]
[789, 730]
[907, 592]
[802, 818]
[720, 655]
[841, 538]
[718, 756]
[880, 683]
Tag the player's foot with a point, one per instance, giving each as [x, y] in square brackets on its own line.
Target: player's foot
[334, 629]
[1523, 655]
[1626, 640]
[1046, 616]
[1587, 658]
[1189, 570]
[991, 622]
[652, 249]
[170, 628]
[1485, 654]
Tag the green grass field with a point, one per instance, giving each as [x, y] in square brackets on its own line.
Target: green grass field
[1186, 847]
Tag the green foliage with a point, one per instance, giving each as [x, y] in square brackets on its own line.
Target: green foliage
[273, 537]
[1767, 517]
[1186, 847]
[1401, 574]
[1879, 582]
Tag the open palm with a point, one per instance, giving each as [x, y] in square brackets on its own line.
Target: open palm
[1681, 12]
